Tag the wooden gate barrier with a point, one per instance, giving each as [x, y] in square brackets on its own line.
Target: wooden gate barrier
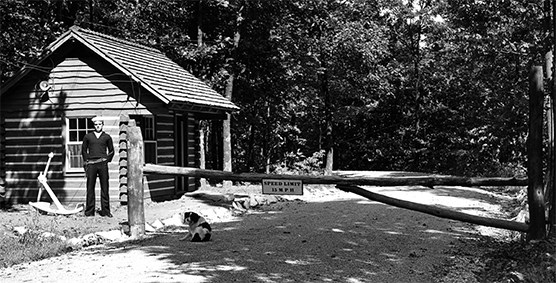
[349, 184]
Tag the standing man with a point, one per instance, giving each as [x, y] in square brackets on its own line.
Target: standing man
[97, 151]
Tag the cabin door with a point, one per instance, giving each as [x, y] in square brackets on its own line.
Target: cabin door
[181, 152]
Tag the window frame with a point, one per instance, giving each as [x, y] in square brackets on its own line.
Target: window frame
[147, 124]
[89, 126]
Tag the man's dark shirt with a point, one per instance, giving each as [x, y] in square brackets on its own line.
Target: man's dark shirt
[95, 148]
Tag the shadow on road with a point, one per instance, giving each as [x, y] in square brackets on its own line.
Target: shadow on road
[338, 241]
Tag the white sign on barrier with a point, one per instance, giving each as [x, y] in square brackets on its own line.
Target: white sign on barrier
[282, 187]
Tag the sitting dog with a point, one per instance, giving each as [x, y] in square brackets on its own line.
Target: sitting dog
[199, 230]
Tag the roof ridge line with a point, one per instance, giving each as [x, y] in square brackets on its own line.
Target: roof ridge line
[84, 30]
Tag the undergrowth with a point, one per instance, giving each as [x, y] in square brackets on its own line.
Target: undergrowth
[519, 261]
[39, 240]
[492, 260]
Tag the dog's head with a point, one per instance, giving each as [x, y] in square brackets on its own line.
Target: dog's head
[190, 217]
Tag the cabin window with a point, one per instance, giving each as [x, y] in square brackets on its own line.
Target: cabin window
[77, 129]
[148, 131]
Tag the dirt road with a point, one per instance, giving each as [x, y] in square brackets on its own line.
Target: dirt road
[324, 238]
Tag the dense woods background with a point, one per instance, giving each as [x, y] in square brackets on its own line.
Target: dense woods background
[430, 86]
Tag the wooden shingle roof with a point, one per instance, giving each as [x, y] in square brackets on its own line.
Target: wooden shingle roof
[151, 68]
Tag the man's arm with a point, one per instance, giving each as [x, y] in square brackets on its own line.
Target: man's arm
[85, 149]
[110, 146]
[85, 152]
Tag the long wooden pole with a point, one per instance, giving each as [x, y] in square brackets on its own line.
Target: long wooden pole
[437, 211]
[535, 194]
[135, 205]
[364, 181]
[348, 184]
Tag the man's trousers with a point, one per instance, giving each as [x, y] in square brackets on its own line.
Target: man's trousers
[101, 170]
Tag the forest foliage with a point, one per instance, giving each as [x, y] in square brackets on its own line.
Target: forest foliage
[431, 86]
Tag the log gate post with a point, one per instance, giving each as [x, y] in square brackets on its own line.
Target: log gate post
[135, 205]
[550, 176]
[535, 193]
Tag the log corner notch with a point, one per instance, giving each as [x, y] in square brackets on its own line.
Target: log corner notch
[535, 190]
[122, 165]
[135, 205]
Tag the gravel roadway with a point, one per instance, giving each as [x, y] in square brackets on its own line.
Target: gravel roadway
[329, 237]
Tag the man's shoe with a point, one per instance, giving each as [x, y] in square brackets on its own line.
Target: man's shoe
[107, 214]
[89, 214]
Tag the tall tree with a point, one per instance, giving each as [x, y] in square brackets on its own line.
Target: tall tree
[232, 73]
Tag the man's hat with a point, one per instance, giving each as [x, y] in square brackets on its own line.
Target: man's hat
[97, 118]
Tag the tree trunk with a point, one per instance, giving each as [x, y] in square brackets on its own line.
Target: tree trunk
[226, 127]
[251, 149]
[202, 150]
[535, 192]
[202, 125]
[91, 11]
[199, 23]
[325, 94]
[550, 191]
[267, 144]
[226, 133]
[329, 160]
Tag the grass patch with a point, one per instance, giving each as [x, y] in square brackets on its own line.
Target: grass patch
[32, 246]
[39, 240]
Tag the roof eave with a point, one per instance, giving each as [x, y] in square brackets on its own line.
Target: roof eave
[193, 107]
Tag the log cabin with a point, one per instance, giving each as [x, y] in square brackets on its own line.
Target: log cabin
[47, 107]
